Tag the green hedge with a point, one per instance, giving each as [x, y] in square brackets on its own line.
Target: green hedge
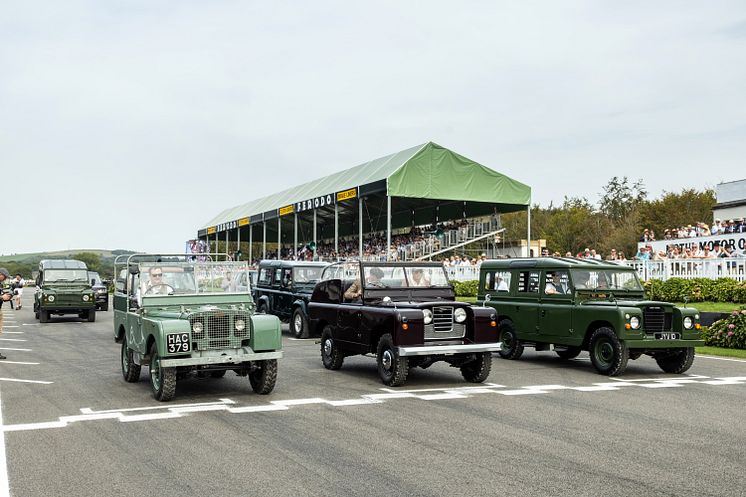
[729, 332]
[466, 288]
[696, 290]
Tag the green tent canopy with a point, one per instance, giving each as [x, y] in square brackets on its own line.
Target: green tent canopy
[427, 171]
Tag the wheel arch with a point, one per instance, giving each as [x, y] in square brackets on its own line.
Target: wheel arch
[593, 326]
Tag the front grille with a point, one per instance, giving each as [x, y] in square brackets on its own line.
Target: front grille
[69, 300]
[219, 329]
[443, 327]
[655, 319]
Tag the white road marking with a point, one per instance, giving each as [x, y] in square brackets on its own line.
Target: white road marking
[18, 350]
[6, 326]
[163, 412]
[12, 333]
[4, 484]
[27, 381]
[720, 358]
[19, 362]
[12, 340]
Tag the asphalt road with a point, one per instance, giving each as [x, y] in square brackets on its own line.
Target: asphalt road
[539, 427]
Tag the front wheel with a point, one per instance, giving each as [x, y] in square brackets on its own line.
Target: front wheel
[392, 368]
[162, 380]
[477, 370]
[264, 377]
[299, 324]
[130, 370]
[608, 354]
[677, 361]
[511, 346]
[91, 316]
[43, 316]
[331, 356]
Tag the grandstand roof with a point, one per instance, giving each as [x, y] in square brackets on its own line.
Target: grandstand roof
[426, 171]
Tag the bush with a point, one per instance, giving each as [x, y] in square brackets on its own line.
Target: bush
[729, 332]
[697, 290]
[466, 288]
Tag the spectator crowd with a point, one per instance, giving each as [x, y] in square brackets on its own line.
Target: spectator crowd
[719, 227]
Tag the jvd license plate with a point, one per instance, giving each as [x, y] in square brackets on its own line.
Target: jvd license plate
[667, 336]
[177, 343]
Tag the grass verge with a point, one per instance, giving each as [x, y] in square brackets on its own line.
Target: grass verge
[721, 351]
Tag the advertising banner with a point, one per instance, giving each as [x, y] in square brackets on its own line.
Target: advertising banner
[734, 241]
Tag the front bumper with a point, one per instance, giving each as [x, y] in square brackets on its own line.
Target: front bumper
[231, 356]
[68, 310]
[449, 349]
[651, 343]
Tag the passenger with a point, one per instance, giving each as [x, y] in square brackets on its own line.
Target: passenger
[502, 285]
[228, 284]
[556, 285]
[418, 278]
[356, 289]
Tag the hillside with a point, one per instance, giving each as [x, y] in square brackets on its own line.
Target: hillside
[101, 260]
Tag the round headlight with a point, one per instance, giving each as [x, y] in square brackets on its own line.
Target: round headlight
[50, 298]
[696, 316]
[427, 315]
[198, 327]
[459, 315]
[240, 325]
[86, 298]
[688, 323]
[634, 322]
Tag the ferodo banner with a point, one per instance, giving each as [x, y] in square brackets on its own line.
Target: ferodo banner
[734, 241]
[314, 203]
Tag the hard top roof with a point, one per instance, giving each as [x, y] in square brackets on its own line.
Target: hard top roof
[61, 264]
[276, 263]
[553, 263]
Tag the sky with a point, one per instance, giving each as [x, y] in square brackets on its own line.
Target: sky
[131, 124]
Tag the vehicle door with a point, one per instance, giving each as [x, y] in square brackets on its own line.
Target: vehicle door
[133, 322]
[263, 284]
[526, 311]
[284, 295]
[555, 310]
[351, 310]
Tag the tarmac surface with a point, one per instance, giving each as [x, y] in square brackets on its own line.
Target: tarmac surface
[539, 426]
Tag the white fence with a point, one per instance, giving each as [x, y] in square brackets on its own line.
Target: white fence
[462, 273]
[691, 268]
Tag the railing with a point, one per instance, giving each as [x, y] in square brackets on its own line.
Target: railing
[691, 268]
[450, 238]
[462, 273]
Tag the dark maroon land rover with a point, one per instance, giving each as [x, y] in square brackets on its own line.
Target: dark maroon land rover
[406, 314]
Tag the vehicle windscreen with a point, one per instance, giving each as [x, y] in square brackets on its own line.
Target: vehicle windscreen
[65, 275]
[193, 278]
[606, 279]
[94, 277]
[306, 274]
[405, 277]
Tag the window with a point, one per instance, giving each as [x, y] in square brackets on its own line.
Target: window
[497, 280]
[265, 276]
[557, 283]
[528, 282]
[287, 276]
[278, 275]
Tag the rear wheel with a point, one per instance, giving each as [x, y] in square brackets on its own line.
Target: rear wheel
[331, 356]
[299, 324]
[162, 380]
[264, 377]
[392, 368]
[569, 353]
[677, 361]
[130, 370]
[608, 354]
[511, 346]
[477, 370]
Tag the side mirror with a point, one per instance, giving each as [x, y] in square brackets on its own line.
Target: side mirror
[93, 282]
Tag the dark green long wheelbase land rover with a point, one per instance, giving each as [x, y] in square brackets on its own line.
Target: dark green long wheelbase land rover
[62, 287]
[181, 316]
[572, 305]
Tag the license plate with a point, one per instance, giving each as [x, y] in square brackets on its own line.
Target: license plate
[667, 336]
[177, 343]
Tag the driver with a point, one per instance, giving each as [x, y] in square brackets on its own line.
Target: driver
[356, 289]
[155, 285]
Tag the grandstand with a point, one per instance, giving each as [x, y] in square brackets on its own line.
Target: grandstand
[416, 195]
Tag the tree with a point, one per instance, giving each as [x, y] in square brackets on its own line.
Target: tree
[620, 198]
[91, 259]
[673, 210]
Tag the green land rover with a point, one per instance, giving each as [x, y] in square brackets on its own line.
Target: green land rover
[181, 316]
[62, 287]
[570, 305]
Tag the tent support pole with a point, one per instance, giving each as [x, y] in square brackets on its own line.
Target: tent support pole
[227, 232]
[251, 243]
[388, 227]
[336, 231]
[528, 231]
[314, 234]
[360, 228]
[295, 236]
[264, 239]
[238, 239]
[279, 237]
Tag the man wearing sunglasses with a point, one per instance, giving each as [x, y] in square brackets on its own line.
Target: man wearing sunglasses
[155, 284]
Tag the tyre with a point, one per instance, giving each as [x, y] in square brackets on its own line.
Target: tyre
[105, 307]
[130, 370]
[511, 346]
[299, 324]
[608, 355]
[43, 316]
[262, 308]
[91, 316]
[478, 370]
[217, 374]
[569, 353]
[392, 368]
[162, 380]
[331, 356]
[264, 377]
[677, 361]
